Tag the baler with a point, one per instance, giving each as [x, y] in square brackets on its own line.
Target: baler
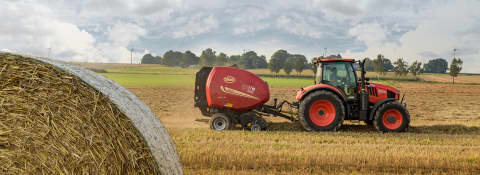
[233, 96]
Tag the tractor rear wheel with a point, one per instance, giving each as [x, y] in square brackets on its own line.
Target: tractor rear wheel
[220, 121]
[392, 117]
[321, 111]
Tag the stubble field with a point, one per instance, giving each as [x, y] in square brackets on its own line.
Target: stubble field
[443, 138]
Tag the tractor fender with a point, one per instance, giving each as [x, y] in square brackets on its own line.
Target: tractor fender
[378, 104]
[305, 91]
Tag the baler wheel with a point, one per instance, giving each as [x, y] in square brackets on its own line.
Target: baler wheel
[392, 117]
[253, 122]
[259, 124]
[220, 121]
[321, 111]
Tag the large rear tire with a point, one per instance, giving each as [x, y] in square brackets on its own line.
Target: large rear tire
[392, 117]
[321, 111]
[220, 122]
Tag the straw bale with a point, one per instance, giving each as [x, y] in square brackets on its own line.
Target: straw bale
[53, 122]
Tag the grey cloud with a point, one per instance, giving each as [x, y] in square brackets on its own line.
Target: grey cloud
[343, 7]
[395, 27]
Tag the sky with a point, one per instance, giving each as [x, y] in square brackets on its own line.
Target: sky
[106, 30]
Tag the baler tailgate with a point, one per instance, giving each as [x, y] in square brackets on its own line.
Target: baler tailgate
[200, 99]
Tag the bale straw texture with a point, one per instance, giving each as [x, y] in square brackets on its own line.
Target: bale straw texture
[53, 123]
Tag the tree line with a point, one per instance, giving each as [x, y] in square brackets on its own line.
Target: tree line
[282, 59]
[248, 60]
[400, 67]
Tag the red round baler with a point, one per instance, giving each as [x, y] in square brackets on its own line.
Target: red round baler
[235, 89]
[233, 96]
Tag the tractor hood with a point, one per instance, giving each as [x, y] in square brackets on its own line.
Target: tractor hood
[306, 90]
[381, 91]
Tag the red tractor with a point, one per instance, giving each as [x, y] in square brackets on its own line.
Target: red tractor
[232, 95]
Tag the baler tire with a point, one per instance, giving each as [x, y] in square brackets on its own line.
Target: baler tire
[397, 111]
[249, 119]
[261, 122]
[332, 101]
[368, 122]
[220, 121]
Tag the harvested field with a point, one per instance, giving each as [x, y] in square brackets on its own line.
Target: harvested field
[444, 137]
[445, 78]
[53, 123]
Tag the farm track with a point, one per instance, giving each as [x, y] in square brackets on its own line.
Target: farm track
[444, 137]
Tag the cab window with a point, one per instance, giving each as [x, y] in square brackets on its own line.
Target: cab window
[340, 75]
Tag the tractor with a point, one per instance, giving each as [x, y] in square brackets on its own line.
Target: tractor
[236, 96]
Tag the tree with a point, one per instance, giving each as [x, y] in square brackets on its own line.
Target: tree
[221, 59]
[438, 65]
[368, 65]
[299, 63]
[234, 59]
[248, 59]
[172, 58]
[400, 67]
[188, 59]
[416, 69]
[274, 65]
[387, 65]
[281, 56]
[455, 68]
[288, 66]
[208, 57]
[260, 62]
[149, 59]
[334, 56]
[378, 65]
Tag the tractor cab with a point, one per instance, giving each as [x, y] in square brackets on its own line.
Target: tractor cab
[338, 73]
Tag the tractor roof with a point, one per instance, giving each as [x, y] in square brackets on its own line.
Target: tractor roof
[334, 60]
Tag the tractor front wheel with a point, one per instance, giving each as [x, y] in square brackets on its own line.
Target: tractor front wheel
[392, 117]
[321, 111]
[220, 121]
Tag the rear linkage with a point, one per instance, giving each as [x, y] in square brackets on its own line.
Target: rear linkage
[276, 110]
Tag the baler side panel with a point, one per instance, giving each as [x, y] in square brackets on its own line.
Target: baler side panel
[235, 89]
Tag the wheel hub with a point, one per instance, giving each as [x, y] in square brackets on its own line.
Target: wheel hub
[321, 113]
[219, 124]
[391, 119]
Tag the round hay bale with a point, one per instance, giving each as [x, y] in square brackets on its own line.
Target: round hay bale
[57, 118]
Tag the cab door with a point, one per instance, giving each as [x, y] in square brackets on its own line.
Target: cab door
[342, 76]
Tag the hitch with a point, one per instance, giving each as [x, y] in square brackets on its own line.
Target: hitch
[276, 109]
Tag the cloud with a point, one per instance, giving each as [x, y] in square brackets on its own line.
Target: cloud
[341, 7]
[104, 30]
[372, 34]
[249, 19]
[435, 36]
[195, 25]
[36, 31]
[123, 34]
[299, 25]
